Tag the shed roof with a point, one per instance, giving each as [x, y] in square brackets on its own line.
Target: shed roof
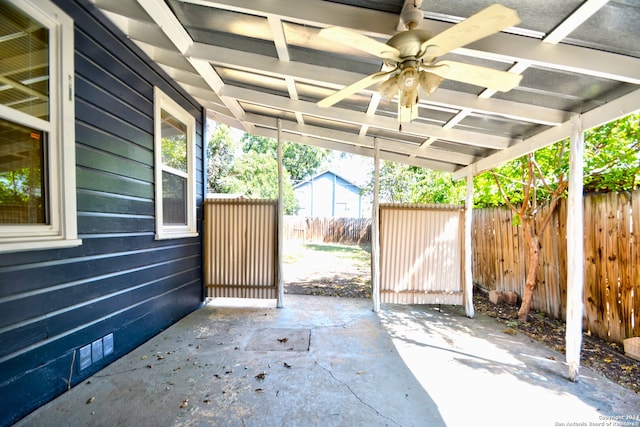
[327, 172]
[253, 62]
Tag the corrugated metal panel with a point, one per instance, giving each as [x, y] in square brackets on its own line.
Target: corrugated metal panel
[421, 254]
[240, 248]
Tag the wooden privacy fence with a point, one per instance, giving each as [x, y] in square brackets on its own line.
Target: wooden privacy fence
[240, 248]
[328, 230]
[612, 261]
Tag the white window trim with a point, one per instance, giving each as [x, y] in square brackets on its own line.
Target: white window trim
[62, 231]
[163, 102]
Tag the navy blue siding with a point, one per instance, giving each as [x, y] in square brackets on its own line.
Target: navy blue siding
[121, 280]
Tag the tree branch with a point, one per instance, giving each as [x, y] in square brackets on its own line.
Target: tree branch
[503, 194]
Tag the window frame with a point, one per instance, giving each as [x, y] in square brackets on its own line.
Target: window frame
[60, 164]
[162, 101]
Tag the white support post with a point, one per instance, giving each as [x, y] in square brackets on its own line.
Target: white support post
[575, 249]
[375, 230]
[468, 277]
[280, 284]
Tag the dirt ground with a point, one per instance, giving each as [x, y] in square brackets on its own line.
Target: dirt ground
[327, 269]
[344, 271]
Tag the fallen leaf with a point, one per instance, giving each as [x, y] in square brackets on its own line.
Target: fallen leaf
[551, 357]
[144, 357]
[608, 360]
[285, 339]
[261, 376]
[360, 372]
[160, 357]
[207, 401]
[91, 399]
[259, 390]
[510, 331]
[148, 366]
[184, 403]
[176, 369]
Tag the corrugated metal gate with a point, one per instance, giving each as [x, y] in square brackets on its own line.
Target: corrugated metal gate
[421, 254]
[240, 248]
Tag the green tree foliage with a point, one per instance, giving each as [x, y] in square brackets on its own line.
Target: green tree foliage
[255, 175]
[301, 161]
[400, 183]
[612, 163]
[612, 156]
[221, 150]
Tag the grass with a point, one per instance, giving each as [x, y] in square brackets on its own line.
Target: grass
[295, 251]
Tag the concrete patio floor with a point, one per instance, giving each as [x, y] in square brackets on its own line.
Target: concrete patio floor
[324, 361]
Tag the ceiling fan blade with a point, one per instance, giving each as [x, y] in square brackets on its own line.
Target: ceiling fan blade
[493, 19]
[476, 75]
[353, 88]
[360, 42]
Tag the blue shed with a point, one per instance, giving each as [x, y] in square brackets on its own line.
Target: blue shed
[329, 195]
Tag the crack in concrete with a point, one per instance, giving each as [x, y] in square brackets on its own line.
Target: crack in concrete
[348, 387]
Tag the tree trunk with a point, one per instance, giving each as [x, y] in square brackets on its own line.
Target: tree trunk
[532, 268]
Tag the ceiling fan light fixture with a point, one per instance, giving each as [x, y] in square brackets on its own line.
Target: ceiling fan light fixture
[408, 99]
[409, 79]
[389, 88]
[430, 82]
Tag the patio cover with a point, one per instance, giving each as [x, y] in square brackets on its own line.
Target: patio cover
[253, 61]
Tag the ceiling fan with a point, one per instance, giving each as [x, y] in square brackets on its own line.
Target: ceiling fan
[410, 58]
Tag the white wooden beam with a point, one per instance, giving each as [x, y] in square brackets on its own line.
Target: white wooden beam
[577, 18]
[468, 273]
[358, 118]
[574, 59]
[279, 38]
[355, 139]
[162, 15]
[620, 107]
[501, 46]
[575, 249]
[313, 13]
[361, 150]
[332, 77]
[375, 230]
[279, 281]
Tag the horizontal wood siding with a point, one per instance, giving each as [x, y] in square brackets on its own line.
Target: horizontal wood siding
[120, 280]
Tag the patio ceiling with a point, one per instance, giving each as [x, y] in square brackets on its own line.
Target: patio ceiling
[252, 62]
